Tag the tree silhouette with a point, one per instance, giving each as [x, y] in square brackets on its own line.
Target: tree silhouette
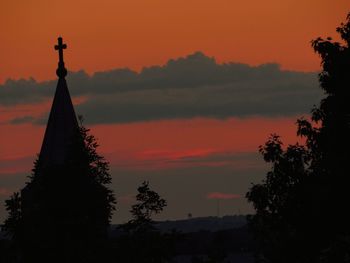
[141, 241]
[64, 211]
[149, 203]
[300, 206]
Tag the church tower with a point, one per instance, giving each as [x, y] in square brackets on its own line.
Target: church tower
[66, 206]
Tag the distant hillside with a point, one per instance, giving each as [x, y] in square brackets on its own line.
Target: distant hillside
[198, 238]
[212, 224]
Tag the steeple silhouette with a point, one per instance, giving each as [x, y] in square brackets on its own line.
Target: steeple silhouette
[62, 124]
[66, 206]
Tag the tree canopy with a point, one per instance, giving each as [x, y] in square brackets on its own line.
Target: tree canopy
[141, 235]
[64, 211]
[149, 203]
[301, 205]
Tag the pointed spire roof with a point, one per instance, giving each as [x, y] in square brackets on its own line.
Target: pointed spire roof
[62, 124]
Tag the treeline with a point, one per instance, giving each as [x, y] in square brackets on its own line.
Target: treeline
[140, 240]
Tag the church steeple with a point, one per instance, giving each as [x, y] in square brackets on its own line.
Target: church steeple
[66, 207]
[62, 124]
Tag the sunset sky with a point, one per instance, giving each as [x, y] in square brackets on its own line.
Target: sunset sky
[180, 93]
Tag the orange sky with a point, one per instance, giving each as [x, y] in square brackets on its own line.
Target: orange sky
[105, 34]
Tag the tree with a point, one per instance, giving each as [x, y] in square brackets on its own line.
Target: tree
[63, 213]
[280, 202]
[300, 206]
[141, 241]
[149, 204]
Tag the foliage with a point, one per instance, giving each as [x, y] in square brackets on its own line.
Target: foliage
[298, 202]
[98, 167]
[149, 204]
[140, 233]
[13, 207]
[64, 209]
[279, 201]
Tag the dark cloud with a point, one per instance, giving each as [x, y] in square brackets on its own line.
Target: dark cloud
[194, 86]
[23, 91]
[24, 119]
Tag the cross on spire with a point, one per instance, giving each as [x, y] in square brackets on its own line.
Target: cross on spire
[60, 48]
[61, 70]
